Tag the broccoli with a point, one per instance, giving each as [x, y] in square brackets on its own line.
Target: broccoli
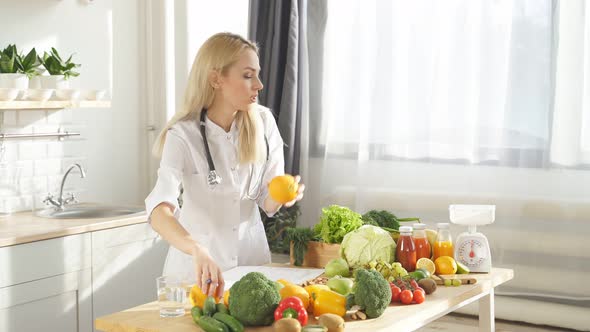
[371, 292]
[253, 299]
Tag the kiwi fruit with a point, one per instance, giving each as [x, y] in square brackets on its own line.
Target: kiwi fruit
[428, 285]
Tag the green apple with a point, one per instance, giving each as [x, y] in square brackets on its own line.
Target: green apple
[337, 267]
[340, 285]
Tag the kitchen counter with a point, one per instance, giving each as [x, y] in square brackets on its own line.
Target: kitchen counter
[397, 317]
[26, 227]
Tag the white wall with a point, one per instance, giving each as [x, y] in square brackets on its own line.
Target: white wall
[104, 38]
[195, 22]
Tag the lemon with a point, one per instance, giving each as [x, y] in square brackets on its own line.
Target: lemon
[426, 264]
[445, 265]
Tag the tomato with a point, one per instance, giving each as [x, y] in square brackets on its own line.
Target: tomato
[419, 296]
[406, 296]
[395, 291]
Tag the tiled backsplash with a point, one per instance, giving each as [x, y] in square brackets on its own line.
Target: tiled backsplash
[32, 168]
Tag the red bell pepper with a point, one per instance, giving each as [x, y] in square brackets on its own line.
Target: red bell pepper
[292, 307]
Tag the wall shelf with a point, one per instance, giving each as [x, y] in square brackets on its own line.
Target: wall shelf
[53, 104]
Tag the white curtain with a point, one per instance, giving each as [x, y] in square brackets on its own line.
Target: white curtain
[431, 103]
[463, 81]
[570, 142]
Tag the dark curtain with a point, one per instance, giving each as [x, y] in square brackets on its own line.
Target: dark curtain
[280, 30]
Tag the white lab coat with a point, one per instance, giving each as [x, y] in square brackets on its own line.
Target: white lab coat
[220, 218]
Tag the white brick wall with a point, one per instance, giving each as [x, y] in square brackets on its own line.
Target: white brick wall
[31, 168]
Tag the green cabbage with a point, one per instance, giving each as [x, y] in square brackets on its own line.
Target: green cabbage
[366, 244]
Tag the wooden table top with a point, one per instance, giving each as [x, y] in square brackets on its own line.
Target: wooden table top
[397, 317]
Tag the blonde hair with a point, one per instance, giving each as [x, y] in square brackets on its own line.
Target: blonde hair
[218, 53]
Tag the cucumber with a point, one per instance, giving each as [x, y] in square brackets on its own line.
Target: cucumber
[209, 307]
[196, 313]
[222, 308]
[233, 324]
[212, 325]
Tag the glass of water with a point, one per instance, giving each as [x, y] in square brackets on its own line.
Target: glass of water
[171, 296]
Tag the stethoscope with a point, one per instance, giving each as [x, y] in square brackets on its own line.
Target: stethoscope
[213, 179]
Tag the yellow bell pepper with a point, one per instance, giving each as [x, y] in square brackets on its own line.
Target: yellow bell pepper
[295, 290]
[312, 290]
[329, 302]
[197, 297]
[284, 282]
[226, 298]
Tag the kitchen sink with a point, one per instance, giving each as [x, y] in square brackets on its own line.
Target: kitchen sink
[89, 211]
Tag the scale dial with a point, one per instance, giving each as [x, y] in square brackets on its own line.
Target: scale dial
[472, 252]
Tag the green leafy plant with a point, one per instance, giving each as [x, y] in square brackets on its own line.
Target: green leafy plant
[335, 222]
[12, 62]
[384, 219]
[56, 66]
[29, 65]
[9, 60]
[277, 225]
[300, 236]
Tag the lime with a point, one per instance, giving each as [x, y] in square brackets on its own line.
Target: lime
[419, 274]
[461, 268]
[426, 272]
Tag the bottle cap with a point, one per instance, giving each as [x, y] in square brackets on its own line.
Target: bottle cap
[405, 229]
[442, 225]
[419, 226]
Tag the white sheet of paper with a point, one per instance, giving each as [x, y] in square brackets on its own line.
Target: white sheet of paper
[294, 275]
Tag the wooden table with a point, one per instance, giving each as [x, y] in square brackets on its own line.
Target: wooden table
[397, 317]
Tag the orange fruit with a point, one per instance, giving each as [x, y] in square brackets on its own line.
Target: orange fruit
[445, 265]
[197, 297]
[283, 188]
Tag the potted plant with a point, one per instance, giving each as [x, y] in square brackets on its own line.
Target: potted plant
[276, 227]
[335, 222]
[11, 76]
[29, 65]
[299, 239]
[59, 70]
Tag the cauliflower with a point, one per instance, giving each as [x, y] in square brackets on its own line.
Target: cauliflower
[253, 299]
[371, 292]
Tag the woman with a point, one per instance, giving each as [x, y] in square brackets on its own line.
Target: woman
[224, 149]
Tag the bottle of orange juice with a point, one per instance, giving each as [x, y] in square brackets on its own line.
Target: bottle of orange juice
[443, 246]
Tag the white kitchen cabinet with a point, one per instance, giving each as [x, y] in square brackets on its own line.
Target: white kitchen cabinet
[125, 264]
[63, 284]
[46, 286]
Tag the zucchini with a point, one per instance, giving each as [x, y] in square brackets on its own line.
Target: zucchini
[233, 324]
[222, 308]
[196, 313]
[209, 307]
[212, 325]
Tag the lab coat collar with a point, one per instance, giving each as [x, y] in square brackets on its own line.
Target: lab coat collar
[214, 129]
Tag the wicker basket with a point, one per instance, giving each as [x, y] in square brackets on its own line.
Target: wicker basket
[318, 254]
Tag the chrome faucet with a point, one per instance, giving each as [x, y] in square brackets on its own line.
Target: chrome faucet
[60, 202]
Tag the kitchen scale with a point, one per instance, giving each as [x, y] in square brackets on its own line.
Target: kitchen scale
[472, 248]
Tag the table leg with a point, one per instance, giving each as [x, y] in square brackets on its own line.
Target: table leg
[486, 313]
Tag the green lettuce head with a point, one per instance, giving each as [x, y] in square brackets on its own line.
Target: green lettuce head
[366, 244]
[337, 221]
